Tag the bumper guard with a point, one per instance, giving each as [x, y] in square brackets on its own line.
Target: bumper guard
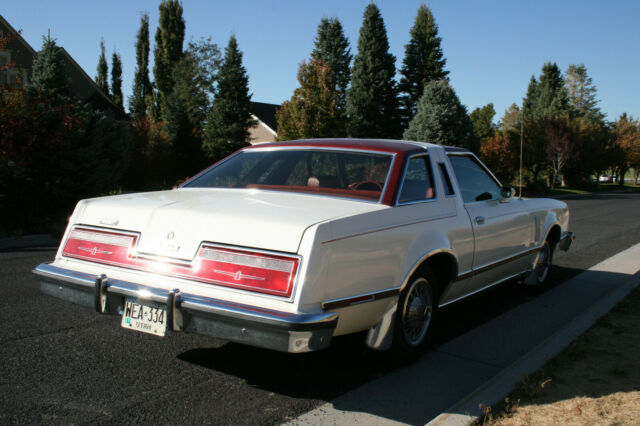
[236, 322]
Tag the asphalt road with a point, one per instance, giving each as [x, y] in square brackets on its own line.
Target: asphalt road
[63, 363]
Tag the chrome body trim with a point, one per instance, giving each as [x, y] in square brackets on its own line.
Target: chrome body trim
[360, 298]
[500, 281]
[283, 331]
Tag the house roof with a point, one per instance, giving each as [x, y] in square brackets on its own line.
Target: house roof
[266, 113]
[96, 97]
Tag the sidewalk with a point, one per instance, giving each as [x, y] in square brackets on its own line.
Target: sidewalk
[447, 385]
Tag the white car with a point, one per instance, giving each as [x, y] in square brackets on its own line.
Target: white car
[286, 245]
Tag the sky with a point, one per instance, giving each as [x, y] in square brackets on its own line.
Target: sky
[492, 47]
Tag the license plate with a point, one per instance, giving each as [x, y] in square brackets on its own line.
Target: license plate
[144, 317]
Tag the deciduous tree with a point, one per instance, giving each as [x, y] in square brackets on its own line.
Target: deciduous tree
[482, 118]
[102, 78]
[332, 48]
[372, 99]
[311, 112]
[142, 88]
[116, 80]
[168, 48]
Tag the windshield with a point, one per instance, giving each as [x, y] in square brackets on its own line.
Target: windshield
[338, 173]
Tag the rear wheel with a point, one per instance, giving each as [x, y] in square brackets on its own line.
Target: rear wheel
[414, 316]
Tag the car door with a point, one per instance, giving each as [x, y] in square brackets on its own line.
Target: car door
[501, 226]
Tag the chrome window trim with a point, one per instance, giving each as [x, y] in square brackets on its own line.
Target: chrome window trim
[393, 156]
[404, 174]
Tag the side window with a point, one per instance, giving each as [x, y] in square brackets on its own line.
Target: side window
[417, 184]
[475, 183]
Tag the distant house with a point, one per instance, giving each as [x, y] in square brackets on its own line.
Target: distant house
[266, 129]
[20, 55]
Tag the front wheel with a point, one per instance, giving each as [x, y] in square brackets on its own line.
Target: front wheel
[414, 315]
[539, 276]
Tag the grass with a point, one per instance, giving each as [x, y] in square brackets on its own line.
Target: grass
[595, 380]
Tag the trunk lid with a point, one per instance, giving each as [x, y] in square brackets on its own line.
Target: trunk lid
[174, 223]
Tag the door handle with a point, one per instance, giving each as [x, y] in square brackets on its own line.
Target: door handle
[479, 220]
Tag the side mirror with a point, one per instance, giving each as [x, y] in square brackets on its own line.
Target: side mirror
[506, 192]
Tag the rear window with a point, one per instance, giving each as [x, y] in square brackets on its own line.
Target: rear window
[351, 174]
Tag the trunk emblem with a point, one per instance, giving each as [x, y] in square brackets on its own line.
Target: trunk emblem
[170, 236]
[94, 250]
[238, 275]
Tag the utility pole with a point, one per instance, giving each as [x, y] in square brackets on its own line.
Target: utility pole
[521, 139]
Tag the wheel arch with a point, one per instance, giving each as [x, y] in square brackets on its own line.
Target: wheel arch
[444, 265]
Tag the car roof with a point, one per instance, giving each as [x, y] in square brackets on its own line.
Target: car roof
[384, 145]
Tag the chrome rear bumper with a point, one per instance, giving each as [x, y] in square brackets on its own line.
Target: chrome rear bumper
[246, 324]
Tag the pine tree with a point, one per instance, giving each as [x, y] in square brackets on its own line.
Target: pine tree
[332, 48]
[582, 92]
[168, 48]
[372, 99]
[482, 119]
[103, 71]
[116, 80]
[49, 76]
[423, 60]
[141, 85]
[441, 118]
[551, 97]
[228, 123]
[311, 112]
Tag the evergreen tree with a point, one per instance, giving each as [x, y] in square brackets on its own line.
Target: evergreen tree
[168, 48]
[49, 76]
[102, 79]
[482, 119]
[550, 95]
[423, 60]
[141, 84]
[116, 80]
[228, 123]
[311, 112]
[441, 118]
[582, 92]
[372, 99]
[332, 48]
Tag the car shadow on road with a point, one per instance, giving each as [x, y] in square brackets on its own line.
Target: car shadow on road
[348, 364]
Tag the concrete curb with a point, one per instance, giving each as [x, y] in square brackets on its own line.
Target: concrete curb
[471, 407]
[26, 241]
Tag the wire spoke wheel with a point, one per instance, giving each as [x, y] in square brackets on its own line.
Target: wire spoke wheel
[417, 311]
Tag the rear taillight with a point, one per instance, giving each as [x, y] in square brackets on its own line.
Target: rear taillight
[99, 246]
[265, 273]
